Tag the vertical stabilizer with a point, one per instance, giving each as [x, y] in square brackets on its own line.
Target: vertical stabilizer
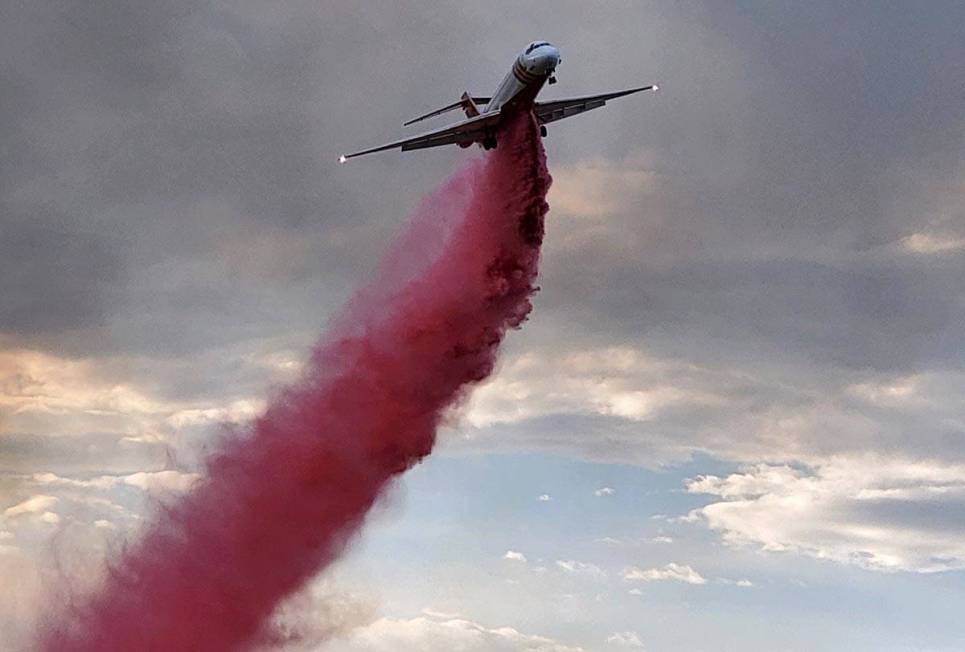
[469, 105]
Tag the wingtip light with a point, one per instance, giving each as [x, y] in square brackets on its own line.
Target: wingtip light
[655, 88]
[342, 158]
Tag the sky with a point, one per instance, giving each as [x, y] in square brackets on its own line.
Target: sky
[732, 422]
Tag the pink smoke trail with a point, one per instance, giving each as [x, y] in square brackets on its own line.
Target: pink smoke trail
[281, 502]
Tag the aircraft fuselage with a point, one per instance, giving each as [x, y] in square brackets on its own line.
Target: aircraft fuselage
[531, 70]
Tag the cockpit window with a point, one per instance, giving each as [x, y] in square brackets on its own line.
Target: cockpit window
[533, 46]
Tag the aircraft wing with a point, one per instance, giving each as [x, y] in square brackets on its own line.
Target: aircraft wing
[559, 109]
[465, 132]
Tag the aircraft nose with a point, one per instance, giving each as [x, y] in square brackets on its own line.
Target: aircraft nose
[548, 58]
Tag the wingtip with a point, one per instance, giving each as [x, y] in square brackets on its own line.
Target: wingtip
[342, 158]
[655, 88]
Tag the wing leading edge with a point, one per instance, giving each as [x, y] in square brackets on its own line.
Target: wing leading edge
[465, 132]
[559, 109]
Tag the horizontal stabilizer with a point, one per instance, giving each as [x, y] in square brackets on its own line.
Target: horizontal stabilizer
[450, 107]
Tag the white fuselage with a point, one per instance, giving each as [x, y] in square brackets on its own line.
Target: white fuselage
[532, 68]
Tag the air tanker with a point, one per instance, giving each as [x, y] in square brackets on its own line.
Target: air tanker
[533, 68]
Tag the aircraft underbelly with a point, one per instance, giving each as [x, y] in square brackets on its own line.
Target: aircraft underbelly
[513, 95]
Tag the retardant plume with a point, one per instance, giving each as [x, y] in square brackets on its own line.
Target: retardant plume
[280, 501]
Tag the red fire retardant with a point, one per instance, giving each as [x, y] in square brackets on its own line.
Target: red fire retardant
[281, 499]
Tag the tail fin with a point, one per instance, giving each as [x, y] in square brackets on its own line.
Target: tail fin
[467, 102]
[469, 105]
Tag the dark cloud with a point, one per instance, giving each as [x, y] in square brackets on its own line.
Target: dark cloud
[54, 279]
[851, 315]
[169, 197]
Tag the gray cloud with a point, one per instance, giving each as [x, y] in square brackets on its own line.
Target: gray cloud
[777, 230]
[159, 134]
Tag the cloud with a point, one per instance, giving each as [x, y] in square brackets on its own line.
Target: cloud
[65, 525]
[581, 568]
[803, 412]
[737, 289]
[671, 572]
[883, 514]
[158, 482]
[513, 555]
[104, 503]
[444, 615]
[607, 382]
[67, 400]
[927, 243]
[142, 192]
[33, 505]
[545, 498]
[431, 635]
[604, 491]
[38, 389]
[625, 639]
[598, 188]
[309, 619]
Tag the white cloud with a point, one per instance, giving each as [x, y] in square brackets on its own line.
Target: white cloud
[931, 243]
[33, 505]
[309, 619]
[427, 635]
[581, 568]
[626, 405]
[43, 393]
[162, 481]
[444, 615]
[576, 401]
[513, 555]
[877, 513]
[598, 188]
[545, 498]
[661, 539]
[614, 381]
[625, 639]
[155, 482]
[50, 518]
[604, 491]
[671, 572]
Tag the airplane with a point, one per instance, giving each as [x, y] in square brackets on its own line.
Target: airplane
[534, 67]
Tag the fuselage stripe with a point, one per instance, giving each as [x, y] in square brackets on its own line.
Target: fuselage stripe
[522, 75]
[522, 69]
